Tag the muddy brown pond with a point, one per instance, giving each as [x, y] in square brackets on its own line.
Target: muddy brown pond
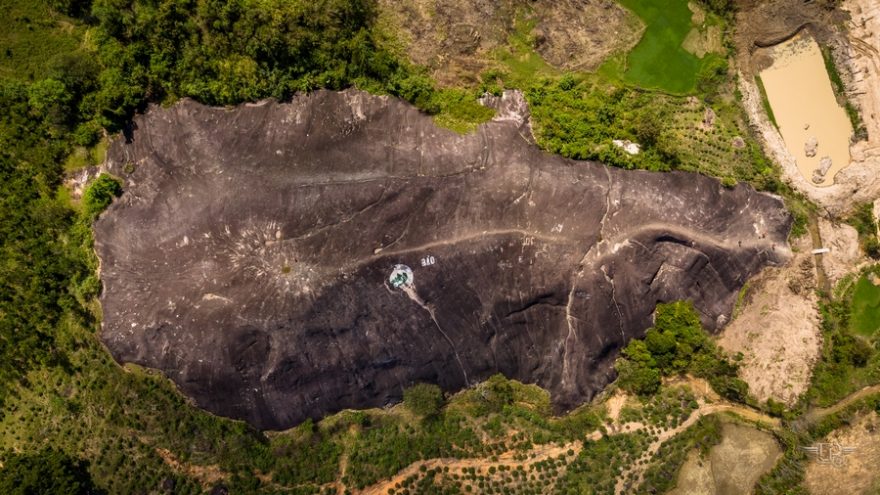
[814, 126]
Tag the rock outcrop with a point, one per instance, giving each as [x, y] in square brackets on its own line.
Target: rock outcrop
[286, 261]
[811, 146]
[822, 170]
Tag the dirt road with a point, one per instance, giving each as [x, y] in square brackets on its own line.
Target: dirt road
[546, 452]
[817, 414]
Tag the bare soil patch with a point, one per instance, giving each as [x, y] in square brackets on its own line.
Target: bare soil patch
[206, 475]
[844, 257]
[457, 39]
[732, 467]
[703, 39]
[614, 405]
[579, 35]
[700, 42]
[857, 473]
[777, 329]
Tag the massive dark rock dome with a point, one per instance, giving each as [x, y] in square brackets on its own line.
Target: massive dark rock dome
[250, 257]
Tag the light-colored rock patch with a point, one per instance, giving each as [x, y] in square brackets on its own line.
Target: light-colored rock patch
[844, 257]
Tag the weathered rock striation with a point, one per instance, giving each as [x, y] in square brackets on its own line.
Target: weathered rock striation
[249, 257]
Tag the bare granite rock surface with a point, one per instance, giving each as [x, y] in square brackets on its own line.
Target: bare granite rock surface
[251, 255]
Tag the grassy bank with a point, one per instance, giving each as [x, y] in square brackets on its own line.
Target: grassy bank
[865, 319]
[34, 34]
[850, 358]
[840, 92]
[765, 102]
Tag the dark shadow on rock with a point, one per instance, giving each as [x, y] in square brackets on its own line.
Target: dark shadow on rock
[128, 131]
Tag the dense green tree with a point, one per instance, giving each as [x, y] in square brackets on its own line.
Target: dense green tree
[648, 128]
[849, 349]
[676, 344]
[495, 393]
[43, 473]
[99, 194]
[50, 99]
[862, 218]
[720, 7]
[638, 378]
[38, 262]
[423, 399]
[711, 75]
[225, 52]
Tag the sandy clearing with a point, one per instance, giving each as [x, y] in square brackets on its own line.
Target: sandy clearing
[702, 39]
[777, 330]
[854, 473]
[732, 467]
[702, 42]
[845, 256]
[614, 405]
[205, 475]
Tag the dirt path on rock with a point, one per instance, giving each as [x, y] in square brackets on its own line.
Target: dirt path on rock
[816, 236]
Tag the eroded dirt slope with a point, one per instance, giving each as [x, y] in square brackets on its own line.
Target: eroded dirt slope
[777, 329]
[250, 255]
[458, 39]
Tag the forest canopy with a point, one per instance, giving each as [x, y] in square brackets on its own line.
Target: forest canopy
[219, 52]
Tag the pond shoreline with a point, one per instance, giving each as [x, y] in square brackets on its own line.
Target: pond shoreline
[814, 127]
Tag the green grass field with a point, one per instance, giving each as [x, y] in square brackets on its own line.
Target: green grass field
[765, 102]
[32, 37]
[865, 319]
[522, 65]
[659, 61]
